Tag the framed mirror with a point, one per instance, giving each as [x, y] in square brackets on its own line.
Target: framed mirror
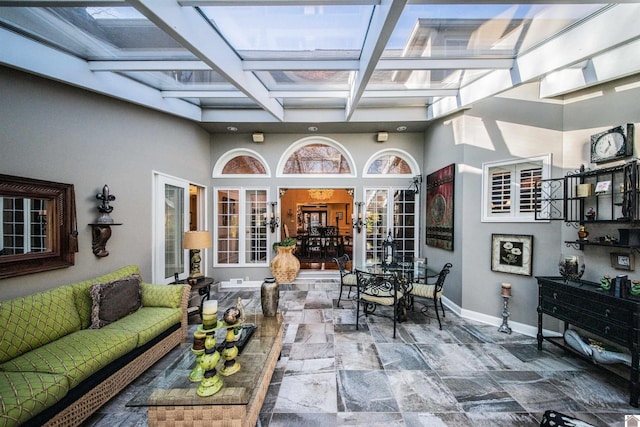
[38, 230]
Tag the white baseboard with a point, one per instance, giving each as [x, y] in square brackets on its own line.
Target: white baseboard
[244, 284]
[521, 328]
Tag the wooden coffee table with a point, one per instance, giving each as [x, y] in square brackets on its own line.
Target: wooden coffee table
[172, 400]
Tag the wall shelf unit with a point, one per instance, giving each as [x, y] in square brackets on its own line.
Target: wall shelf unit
[604, 196]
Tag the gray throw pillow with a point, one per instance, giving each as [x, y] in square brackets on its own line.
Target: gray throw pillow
[114, 300]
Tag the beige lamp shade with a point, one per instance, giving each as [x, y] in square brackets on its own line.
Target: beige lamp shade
[196, 240]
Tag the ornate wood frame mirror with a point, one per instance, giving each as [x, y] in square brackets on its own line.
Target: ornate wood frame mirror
[38, 230]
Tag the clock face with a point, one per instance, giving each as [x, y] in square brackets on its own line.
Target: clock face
[608, 146]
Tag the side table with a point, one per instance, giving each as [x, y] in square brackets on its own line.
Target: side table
[203, 288]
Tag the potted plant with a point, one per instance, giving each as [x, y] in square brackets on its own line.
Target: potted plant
[285, 265]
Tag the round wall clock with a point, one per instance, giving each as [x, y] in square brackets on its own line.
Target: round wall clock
[613, 144]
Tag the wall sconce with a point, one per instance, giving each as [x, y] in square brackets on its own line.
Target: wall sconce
[358, 221]
[194, 241]
[258, 137]
[273, 219]
[101, 229]
[415, 185]
[290, 213]
[382, 136]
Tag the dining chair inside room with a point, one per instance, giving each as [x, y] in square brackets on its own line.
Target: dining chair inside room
[431, 291]
[348, 278]
[376, 290]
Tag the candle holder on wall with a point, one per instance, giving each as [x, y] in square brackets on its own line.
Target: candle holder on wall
[273, 221]
[101, 229]
[358, 222]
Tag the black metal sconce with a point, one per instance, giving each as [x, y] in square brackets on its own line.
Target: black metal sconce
[273, 221]
[101, 229]
[358, 220]
[416, 184]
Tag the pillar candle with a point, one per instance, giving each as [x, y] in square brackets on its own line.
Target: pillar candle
[506, 289]
[210, 307]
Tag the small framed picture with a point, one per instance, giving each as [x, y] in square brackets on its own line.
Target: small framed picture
[623, 261]
[512, 253]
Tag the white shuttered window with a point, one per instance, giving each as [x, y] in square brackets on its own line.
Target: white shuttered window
[509, 189]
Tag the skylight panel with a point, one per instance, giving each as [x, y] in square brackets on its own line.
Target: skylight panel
[292, 32]
[95, 33]
[485, 30]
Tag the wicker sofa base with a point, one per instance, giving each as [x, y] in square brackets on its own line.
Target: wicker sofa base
[82, 408]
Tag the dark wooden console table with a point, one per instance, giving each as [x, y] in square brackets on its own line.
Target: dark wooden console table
[583, 305]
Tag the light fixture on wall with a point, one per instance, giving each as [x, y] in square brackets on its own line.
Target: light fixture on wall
[195, 241]
[273, 220]
[258, 137]
[358, 220]
[101, 229]
[382, 136]
[415, 184]
[320, 193]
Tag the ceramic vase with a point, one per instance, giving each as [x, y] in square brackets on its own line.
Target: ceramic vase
[269, 297]
[285, 265]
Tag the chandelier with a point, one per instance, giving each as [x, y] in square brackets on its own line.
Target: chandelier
[320, 193]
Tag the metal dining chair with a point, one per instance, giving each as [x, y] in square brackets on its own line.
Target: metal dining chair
[432, 291]
[379, 289]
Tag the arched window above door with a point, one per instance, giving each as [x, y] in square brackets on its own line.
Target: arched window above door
[241, 162]
[391, 162]
[318, 156]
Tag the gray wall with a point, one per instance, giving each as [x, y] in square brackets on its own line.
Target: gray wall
[55, 132]
[58, 133]
[360, 146]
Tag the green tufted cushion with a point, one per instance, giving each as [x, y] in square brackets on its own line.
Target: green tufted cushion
[25, 394]
[35, 320]
[82, 296]
[161, 295]
[148, 322]
[77, 355]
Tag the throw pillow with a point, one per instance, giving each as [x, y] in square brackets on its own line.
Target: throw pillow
[114, 300]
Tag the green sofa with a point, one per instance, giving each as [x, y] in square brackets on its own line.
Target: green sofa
[58, 366]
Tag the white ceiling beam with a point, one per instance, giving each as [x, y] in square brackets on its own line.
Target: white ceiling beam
[315, 65]
[545, 58]
[203, 94]
[25, 54]
[444, 64]
[310, 94]
[148, 65]
[190, 29]
[413, 93]
[275, 2]
[384, 20]
[611, 65]
[62, 3]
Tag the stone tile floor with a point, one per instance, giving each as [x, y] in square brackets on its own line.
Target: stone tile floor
[467, 374]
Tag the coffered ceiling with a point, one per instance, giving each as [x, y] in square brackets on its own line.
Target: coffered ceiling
[332, 66]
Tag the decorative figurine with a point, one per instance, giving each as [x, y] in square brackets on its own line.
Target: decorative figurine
[583, 234]
[590, 215]
[605, 283]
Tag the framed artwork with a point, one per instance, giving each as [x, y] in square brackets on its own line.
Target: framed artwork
[512, 253]
[623, 261]
[440, 197]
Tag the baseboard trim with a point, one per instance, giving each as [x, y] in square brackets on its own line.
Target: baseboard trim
[521, 328]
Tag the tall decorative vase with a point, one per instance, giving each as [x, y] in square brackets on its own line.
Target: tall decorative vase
[284, 266]
[269, 297]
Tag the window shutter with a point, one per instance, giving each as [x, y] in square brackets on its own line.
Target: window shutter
[528, 180]
[500, 191]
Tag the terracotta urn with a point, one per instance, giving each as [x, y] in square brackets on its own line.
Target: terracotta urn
[285, 265]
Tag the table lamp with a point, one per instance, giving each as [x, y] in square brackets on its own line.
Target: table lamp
[194, 241]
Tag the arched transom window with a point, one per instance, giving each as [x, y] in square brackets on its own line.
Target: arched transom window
[241, 162]
[316, 156]
[391, 162]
